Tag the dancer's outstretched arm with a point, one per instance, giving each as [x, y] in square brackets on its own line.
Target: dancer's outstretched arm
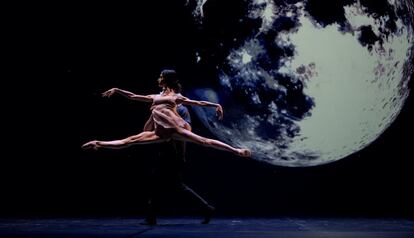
[129, 95]
[187, 101]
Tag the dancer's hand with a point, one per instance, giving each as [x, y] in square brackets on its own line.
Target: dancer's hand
[109, 93]
[219, 112]
[91, 145]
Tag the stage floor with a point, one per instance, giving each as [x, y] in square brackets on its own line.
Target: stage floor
[218, 228]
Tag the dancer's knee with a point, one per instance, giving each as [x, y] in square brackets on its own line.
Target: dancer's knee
[206, 142]
[127, 141]
[124, 141]
[197, 139]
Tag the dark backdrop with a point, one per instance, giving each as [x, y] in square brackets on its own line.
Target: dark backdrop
[67, 56]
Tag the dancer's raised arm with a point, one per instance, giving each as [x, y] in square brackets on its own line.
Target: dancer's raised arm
[129, 95]
[187, 101]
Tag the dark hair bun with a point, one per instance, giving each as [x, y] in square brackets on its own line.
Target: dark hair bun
[170, 79]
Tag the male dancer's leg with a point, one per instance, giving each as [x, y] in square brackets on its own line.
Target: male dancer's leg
[153, 197]
[207, 209]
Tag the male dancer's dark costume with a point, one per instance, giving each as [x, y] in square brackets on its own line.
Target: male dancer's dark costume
[167, 174]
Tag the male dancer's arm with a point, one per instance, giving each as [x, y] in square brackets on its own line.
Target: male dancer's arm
[184, 114]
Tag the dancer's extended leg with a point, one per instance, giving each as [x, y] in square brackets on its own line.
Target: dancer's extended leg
[186, 135]
[146, 137]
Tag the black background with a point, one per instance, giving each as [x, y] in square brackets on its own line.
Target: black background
[63, 59]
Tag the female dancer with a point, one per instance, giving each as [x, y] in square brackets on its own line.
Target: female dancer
[164, 123]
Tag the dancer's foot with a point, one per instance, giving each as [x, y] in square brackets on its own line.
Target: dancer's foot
[244, 152]
[91, 145]
[207, 214]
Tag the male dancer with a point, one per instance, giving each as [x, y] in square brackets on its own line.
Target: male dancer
[168, 173]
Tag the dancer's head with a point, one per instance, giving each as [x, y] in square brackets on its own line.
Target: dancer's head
[169, 79]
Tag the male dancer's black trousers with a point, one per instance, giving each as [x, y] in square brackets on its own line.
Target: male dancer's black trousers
[167, 177]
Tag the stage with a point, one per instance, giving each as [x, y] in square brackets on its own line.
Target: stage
[219, 227]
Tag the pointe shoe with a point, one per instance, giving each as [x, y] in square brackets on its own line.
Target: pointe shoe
[245, 153]
[91, 145]
[207, 215]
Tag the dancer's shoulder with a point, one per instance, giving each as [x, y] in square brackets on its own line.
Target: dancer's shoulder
[180, 98]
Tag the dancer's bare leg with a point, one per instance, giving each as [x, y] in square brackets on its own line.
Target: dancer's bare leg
[186, 135]
[146, 137]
